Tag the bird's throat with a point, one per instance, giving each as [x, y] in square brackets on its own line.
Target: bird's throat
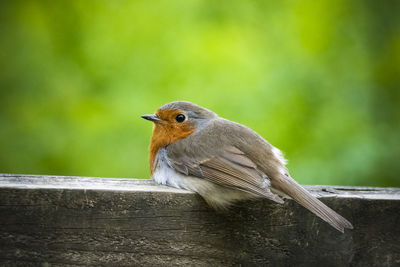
[164, 135]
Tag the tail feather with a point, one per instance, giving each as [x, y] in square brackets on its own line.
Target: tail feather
[291, 188]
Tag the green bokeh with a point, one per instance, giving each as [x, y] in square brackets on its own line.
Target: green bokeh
[318, 79]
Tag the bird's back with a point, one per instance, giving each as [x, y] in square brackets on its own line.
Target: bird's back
[221, 133]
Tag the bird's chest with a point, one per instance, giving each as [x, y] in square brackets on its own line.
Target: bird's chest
[165, 174]
[216, 195]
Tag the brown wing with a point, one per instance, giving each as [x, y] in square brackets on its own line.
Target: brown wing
[230, 168]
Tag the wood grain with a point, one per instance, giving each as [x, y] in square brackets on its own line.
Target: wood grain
[58, 221]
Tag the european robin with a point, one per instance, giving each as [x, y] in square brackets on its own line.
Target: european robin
[193, 148]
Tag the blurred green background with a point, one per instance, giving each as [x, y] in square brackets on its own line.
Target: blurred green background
[318, 79]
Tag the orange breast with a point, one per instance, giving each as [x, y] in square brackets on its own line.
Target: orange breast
[165, 133]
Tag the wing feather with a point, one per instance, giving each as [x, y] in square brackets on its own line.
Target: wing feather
[230, 168]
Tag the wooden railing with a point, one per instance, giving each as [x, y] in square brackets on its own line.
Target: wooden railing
[57, 220]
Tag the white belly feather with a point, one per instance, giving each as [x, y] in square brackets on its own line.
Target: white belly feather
[215, 195]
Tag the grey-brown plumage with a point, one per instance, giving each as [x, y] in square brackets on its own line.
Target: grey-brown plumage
[235, 157]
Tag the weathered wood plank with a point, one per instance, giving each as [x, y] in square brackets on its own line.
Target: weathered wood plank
[101, 221]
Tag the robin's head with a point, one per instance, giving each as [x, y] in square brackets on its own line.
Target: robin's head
[180, 118]
[174, 121]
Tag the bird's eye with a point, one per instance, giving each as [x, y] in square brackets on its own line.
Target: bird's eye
[180, 118]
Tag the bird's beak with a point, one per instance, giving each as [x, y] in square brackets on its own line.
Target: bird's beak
[151, 117]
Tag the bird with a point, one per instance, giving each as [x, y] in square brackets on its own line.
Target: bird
[192, 148]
